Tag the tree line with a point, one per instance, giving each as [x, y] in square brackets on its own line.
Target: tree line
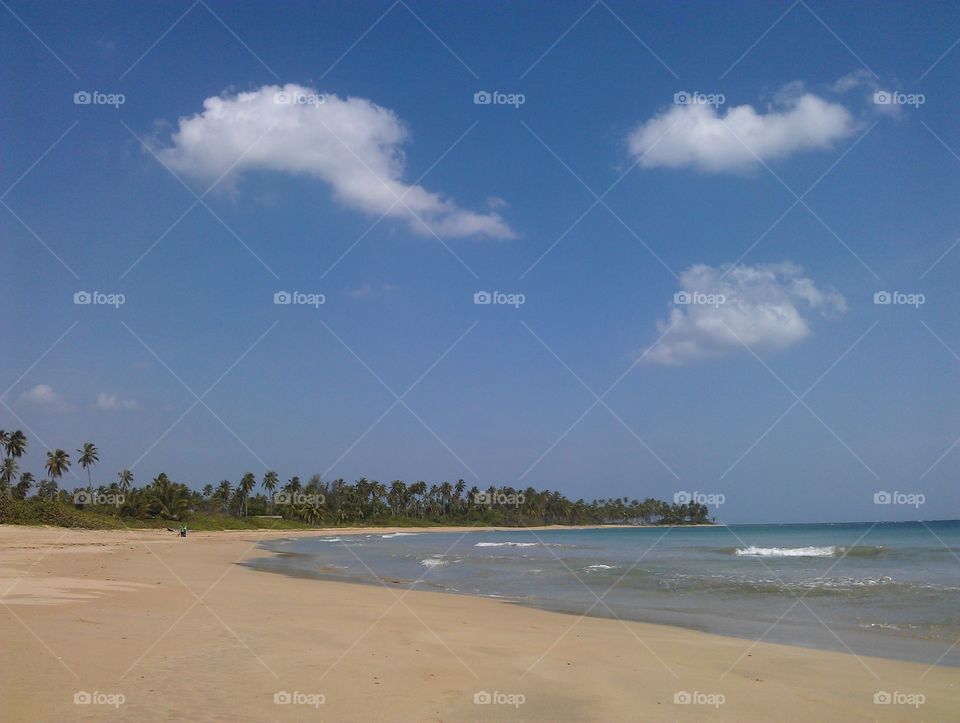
[325, 502]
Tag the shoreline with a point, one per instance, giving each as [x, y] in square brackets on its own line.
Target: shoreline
[178, 628]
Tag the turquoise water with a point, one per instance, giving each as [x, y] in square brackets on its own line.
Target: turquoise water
[889, 589]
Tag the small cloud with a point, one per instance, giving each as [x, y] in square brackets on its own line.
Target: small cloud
[111, 402]
[496, 202]
[44, 396]
[701, 136]
[720, 311]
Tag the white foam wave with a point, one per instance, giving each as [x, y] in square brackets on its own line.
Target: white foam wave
[598, 567]
[506, 544]
[811, 551]
[399, 534]
[433, 562]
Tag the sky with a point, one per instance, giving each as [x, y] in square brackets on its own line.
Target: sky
[613, 249]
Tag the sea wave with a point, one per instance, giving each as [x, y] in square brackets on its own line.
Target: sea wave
[398, 534]
[598, 567]
[809, 551]
[506, 544]
[433, 562]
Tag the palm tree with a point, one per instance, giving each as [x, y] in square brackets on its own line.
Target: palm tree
[57, 463]
[89, 456]
[8, 472]
[126, 479]
[247, 483]
[47, 487]
[223, 494]
[16, 444]
[166, 499]
[24, 485]
[270, 482]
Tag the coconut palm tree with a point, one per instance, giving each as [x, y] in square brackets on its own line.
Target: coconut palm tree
[89, 456]
[14, 443]
[247, 483]
[8, 472]
[57, 463]
[270, 482]
[126, 479]
[223, 494]
[24, 485]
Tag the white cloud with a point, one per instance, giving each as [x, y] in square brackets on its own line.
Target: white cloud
[43, 395]
[701, 136]
[761, 306]
[353, 144]
[111, 402]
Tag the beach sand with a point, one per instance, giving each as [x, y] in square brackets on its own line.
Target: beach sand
[182, 632]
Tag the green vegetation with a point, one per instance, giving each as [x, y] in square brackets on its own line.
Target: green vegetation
[163, 502]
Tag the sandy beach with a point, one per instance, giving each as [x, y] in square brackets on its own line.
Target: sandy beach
[147, 626]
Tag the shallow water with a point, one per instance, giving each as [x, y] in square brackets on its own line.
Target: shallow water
[888, 589]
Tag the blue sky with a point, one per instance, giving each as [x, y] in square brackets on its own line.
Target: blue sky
[494, 197]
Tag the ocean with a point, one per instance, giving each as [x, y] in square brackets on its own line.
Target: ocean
[886, 589]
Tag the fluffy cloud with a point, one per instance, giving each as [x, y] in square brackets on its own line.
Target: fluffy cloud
[111, 402]
[352, 144]
[700, 136]
[44, 396]
[719, 309]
